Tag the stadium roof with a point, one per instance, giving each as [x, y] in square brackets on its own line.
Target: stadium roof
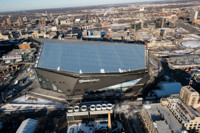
[92, 57]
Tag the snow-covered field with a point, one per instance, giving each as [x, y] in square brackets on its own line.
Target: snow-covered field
[33, 99]
[27, 107]
[191, 44]
[91, 127]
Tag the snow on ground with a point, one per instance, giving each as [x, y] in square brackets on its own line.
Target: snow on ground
[122, 108]
[27, 107]
[195, 36]
[91, 127]
[191, 44]
[182, 30]
[183, 51]
[33, 99]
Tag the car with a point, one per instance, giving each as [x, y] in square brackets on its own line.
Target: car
[92, 107]
[83, 108]
[98, 107]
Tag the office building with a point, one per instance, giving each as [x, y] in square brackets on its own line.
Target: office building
[189, 95]
[20, 21]
[24, 46]
[194, 15]
[184, 61]
[158, 119]
[8, 20]
[182, 106]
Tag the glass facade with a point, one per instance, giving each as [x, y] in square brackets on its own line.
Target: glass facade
[45, 84]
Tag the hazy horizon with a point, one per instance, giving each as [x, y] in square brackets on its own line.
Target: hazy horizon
[19, 5]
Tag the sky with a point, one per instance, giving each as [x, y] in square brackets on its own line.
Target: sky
[14, 5]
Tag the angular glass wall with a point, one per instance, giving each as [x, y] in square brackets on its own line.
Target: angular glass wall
[45, 84]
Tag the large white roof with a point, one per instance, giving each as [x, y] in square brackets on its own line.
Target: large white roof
[27, 126]
[82, 57]
[168, 88]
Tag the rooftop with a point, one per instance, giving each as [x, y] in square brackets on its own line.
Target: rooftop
[27, 126]
[185, 60]
[168, 88]
[157, 112]
[92, 57]
[162, 127]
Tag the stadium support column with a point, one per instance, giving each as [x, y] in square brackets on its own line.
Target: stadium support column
[109, 122]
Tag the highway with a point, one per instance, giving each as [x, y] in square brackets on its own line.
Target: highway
[188, 27]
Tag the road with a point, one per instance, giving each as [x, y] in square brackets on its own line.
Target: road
[188, 27]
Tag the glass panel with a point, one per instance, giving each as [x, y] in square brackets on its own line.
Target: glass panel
[91, 58]
[45, 84]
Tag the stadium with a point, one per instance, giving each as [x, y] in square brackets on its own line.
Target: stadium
[75, 67]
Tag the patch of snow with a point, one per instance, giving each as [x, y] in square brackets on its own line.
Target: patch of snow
[91, 127]
[27, 107]
[33, 99]
[182, 30]
[191, 44]
[195, 36]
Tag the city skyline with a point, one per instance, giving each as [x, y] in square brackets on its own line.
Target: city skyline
[12, 5]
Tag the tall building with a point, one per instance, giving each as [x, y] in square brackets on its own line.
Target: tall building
[194, 15]
[161, 23]
[42, 22]
[25, 19]
[189, 95]
[20, 21]
[8, 20]
[162, 33]
[159, 119]
[182, 107]
[3, 24]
